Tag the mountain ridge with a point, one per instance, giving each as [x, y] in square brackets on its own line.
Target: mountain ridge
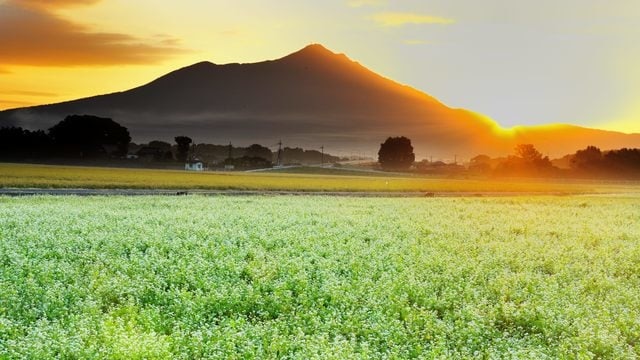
[312, 96]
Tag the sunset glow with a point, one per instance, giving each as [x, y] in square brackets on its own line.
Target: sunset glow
[520, 64]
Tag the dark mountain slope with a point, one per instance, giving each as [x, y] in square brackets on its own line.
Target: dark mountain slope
[308, 98]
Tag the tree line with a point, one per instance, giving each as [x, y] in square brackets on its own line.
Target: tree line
[92, 137]
[77, 136]
[87, 137]
[396, 154]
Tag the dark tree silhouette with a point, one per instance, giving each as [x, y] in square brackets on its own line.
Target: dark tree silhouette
[528, 153]
[184, 143]
[164, 146]
[480, 164]
[89, 136]
[301, 156]
[589, 159]
[527, 162]
[17, 143]
[623, 162]
[396, 153]
[156, 150]
[249, 162]
[260, 151]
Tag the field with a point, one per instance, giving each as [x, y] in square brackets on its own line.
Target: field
[43, 176]
[320, 277]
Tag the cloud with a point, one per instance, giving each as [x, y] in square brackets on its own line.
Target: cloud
[31, 34]
[6, 104]
[394, 19]
[28, 93]
[361, 3]
[52, 4]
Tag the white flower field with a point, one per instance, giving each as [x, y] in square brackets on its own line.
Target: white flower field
[314, 277]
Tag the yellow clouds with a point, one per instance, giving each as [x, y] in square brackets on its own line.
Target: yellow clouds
[31, 33]
[394, 19]
[53, 4]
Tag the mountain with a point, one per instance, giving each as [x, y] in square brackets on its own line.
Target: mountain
[310, 98]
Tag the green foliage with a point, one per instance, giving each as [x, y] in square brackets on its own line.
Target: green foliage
[319, 277]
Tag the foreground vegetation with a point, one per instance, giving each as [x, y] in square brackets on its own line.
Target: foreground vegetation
[44, 176]
[319, 277]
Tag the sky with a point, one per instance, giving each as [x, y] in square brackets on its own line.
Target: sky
[519, 62]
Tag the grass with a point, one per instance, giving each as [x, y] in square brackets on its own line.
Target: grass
[345, 170]
[44, 176]
[320, 277]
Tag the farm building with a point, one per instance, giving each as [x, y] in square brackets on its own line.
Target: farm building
[194, 165]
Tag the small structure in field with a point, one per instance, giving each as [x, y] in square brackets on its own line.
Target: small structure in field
[194, 165]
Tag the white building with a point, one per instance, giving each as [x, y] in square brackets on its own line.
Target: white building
[195, 165]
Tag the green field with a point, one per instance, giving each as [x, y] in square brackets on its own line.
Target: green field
[320, 277]
[43, 176]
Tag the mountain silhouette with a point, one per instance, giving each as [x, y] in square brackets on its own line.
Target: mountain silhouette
[310, 98]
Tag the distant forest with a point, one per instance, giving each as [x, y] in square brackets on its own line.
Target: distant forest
[87, 139]
[91, 138]
[589, 163]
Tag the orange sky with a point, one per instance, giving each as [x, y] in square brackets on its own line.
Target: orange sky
[528, 63]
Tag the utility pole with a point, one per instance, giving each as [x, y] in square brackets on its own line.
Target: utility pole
[322, 159]
[279, 158]
[191, 156]
[230, 149]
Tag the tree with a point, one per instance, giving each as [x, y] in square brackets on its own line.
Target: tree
[162, 145]
[18, 143]
[260, 151]
[623, 162]
[89, 136]
[396, 153]
[528, 153]
[249, 162]
[527, 162]
[588, 159]
[184, 142]
[480, 164]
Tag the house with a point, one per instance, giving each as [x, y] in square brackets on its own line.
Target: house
[194, 165]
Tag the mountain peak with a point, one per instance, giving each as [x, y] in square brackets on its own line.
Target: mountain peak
[314, 52]
[316, 49]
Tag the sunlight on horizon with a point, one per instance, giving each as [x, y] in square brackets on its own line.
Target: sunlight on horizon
[452, 52]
